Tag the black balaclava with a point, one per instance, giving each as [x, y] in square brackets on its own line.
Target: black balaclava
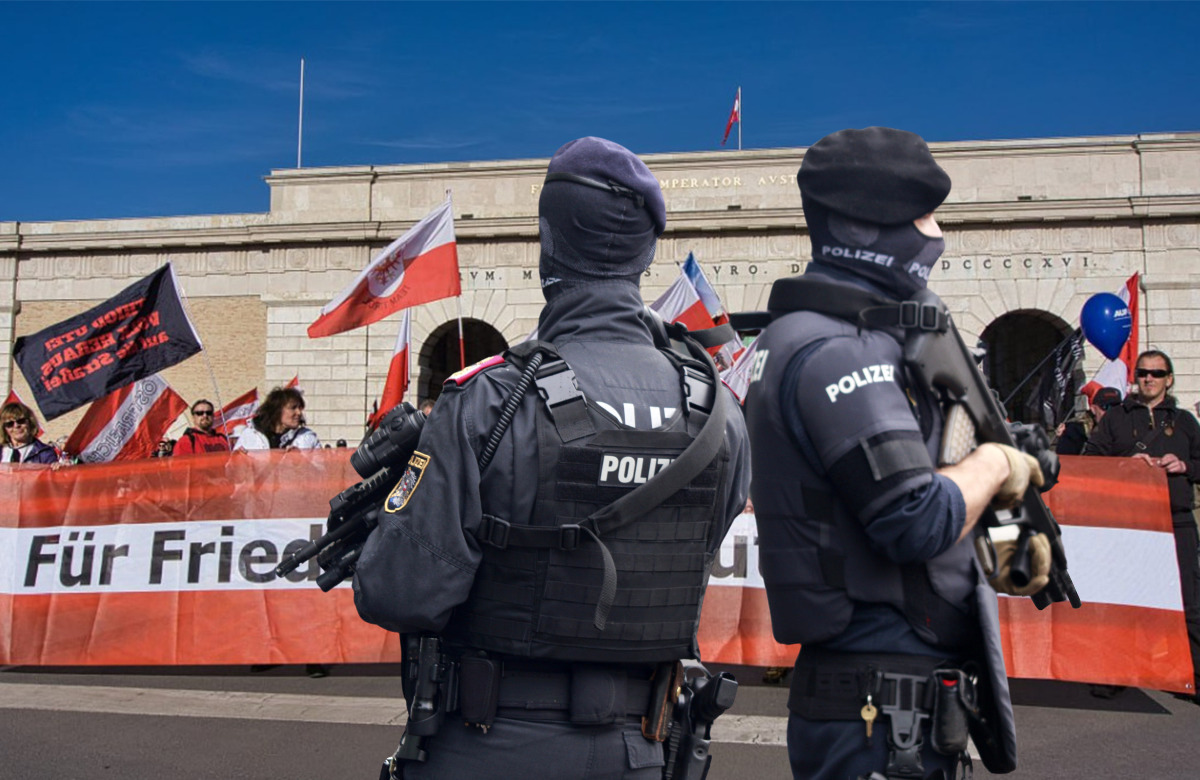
[861, 191]
[599, 216]
[898, 258]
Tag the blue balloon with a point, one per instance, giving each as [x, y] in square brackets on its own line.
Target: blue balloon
[1106, 323]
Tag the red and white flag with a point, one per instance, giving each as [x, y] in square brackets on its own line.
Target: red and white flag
[734, 116]
[396, 384]
[236, 413]
[418, 267]
[294, 384]
[128, 423]
[13, 398]
[1119, 373]
[737, 377]
[681, 303]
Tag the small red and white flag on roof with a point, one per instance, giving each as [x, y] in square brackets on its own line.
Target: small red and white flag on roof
[237, 413]
[128, 423]
[734, 116]
[396, 384]
[419, 267]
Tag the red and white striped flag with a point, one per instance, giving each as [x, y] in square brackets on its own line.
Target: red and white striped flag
[1119, 373]
[681, 303]
[13, 398]
[236, 413]
[737, 377]
[418, 267]
[398, 372]
[294, 384]
[127, 423]
[734, 116]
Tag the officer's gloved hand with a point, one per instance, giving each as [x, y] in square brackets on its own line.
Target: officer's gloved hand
[1038, 570]
[1022, 469]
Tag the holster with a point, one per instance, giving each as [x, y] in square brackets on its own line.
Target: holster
[664, 692]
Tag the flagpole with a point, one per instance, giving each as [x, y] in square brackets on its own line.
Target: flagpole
[367, 373]
[212, 375]
[300, 130]
[741, 113]
[462, 351]
[408, 358]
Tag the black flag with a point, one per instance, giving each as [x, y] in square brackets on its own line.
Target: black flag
[138, 332]
[1053, 399]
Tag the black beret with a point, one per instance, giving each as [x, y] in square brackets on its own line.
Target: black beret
[604, 161]
[876, 175]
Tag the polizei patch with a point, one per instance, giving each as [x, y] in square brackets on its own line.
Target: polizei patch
[407, 485]
[620, 470]
[883, 372]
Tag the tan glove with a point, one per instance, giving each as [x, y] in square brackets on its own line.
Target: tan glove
[1039, 566]
[1022, 469]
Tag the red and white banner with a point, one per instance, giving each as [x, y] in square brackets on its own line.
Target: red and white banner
[237, 413]
[294, 384]
[418, 267]
[1119, 373]
[734, 116]
[172, 562]
[128, 423]
[681, 303]
[396, 384]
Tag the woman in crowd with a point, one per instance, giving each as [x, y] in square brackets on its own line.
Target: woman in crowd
[19, 436]
[279, 424]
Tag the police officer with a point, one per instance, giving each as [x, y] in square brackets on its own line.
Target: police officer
[864, 542]
[558, 625]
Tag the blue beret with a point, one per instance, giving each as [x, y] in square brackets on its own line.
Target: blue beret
[604, 161]
[875, 175]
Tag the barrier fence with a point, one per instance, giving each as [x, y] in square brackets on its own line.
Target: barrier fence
[171, 562]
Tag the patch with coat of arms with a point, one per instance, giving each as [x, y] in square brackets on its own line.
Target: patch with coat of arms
[404, 489]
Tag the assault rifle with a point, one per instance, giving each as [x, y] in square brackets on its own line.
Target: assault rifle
[354, 512]
[941, 362]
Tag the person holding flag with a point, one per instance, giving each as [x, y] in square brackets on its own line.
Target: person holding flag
[557, 667]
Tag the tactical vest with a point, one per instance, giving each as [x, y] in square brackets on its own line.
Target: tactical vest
[815, 557]
[567, 588]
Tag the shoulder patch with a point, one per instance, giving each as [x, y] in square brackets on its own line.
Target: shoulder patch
[460, 377]
[403, 491]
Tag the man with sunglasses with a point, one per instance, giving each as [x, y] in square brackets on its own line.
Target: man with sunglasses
[201, 437]
[1150, 426]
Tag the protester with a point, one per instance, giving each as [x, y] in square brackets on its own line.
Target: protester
[1150, 426]
[1074, 433]
[165, 448]
[426, 406]
[202, 437]
[19, 436]
[279, 424]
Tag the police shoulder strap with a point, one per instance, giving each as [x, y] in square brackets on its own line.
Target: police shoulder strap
[862, 307]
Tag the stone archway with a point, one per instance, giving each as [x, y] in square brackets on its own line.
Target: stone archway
[1016, 343]
[439, 356]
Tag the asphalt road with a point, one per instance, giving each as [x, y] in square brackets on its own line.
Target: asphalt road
[138, 724]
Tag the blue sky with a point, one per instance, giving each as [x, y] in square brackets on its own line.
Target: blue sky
[128, 109]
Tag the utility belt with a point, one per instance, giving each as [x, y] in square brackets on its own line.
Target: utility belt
[580, 694]
[908, 689]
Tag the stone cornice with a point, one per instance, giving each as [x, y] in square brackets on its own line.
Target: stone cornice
[264, 234]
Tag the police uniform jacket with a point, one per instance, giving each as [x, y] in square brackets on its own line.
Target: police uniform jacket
[1132, 427]
[421, 561]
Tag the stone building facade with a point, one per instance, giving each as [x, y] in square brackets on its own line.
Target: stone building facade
[1033, 228]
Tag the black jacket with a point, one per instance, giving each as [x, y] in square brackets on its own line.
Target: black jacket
[1130, 428]
[421, 561]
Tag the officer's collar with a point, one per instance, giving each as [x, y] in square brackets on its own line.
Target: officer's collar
[607, 310]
